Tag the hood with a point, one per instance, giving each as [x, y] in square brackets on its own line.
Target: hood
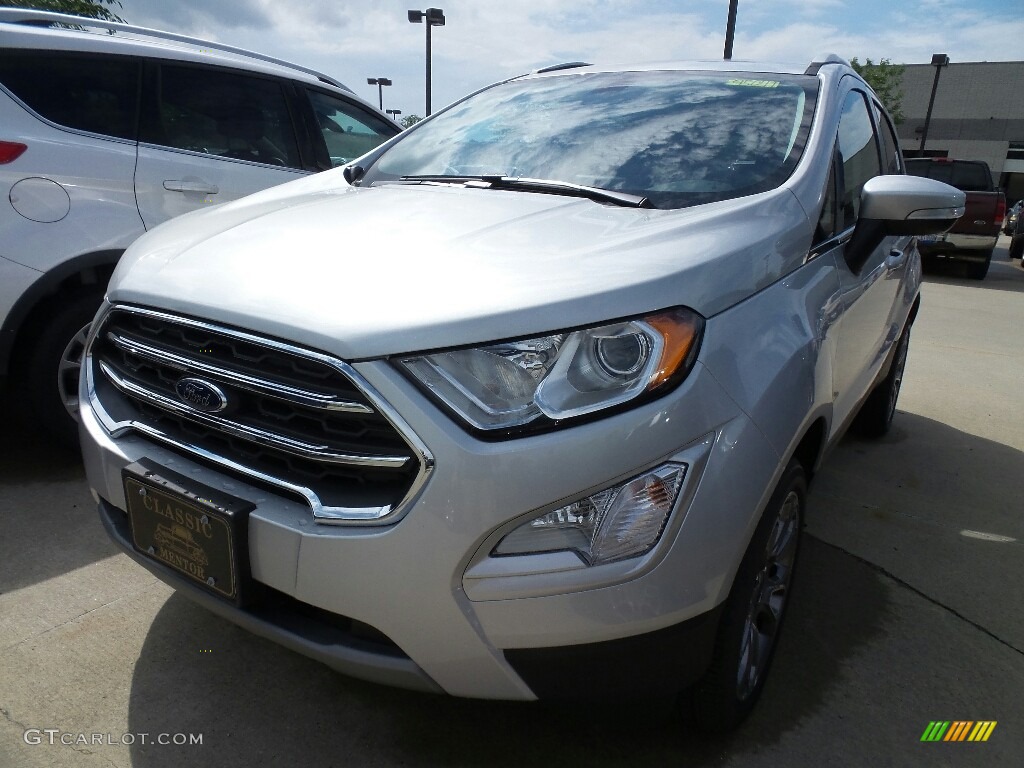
[390, 269]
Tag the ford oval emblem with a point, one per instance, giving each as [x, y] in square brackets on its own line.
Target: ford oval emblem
[201, 395]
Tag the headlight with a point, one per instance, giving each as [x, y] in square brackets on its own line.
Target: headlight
[532, 383]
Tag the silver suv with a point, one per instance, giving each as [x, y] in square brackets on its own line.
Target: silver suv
[530, 408]
[107, 130]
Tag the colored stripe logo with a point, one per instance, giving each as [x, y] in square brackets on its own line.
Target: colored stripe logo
[958, 730]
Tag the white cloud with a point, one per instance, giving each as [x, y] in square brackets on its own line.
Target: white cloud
[483, 42]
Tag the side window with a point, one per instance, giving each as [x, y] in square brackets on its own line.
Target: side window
[891, 162]
[222, 114]
[857, 153]
[90, 93]
[827, 220]
[348, 130]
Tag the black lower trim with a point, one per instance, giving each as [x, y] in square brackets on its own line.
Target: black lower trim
[662, 662]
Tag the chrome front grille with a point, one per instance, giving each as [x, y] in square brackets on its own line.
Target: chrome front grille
[293, 418]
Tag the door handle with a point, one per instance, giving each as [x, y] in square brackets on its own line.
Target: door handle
[195, 187]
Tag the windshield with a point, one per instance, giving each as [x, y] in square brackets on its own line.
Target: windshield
[676, 138]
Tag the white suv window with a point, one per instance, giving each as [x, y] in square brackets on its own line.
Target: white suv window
[88, 93]
[347, 130]
[222, 114]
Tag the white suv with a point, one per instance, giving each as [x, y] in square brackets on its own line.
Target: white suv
[107, 130]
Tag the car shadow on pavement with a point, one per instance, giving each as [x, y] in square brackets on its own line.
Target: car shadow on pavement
[935, 507]
[27, 455]
[1003, 275]
[258, 704]
[48, 522]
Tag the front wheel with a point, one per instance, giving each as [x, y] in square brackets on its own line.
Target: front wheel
[752, 617]
[876, 414]
[978, 270]
[1017, 247]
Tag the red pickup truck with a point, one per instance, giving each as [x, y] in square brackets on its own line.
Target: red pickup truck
[974, 235]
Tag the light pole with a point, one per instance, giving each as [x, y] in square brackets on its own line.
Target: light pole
[394, 113]
[380, 82]
[939, 60]
[434, 18]
[730, 28]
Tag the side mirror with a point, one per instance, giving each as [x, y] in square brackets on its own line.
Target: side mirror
[353, 173]
[902, 205]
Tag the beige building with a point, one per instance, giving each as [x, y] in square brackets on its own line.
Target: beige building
[978, 115]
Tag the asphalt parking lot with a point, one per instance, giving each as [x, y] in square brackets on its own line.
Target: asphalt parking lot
[907, 610]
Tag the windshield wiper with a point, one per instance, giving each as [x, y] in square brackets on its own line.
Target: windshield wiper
[538, 185]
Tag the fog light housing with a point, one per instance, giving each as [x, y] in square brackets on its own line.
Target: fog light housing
[613, 524]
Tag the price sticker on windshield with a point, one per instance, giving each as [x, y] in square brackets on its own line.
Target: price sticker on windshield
[754, 83]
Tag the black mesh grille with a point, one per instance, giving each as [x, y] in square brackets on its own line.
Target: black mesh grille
[152, 353]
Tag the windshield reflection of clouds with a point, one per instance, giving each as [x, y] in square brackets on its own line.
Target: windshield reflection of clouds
[674, 137]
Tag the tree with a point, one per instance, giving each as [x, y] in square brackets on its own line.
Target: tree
[410, 120]
[886, 79]
[92, 9]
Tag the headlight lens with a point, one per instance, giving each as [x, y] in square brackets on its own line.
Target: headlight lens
[563, 375]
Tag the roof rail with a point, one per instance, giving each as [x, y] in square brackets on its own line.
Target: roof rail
[30, 17]
[822, 59]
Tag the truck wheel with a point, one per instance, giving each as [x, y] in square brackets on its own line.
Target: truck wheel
[52, 360]
[1017, 247]
[752, 617]
[978, 271]
[875, 416]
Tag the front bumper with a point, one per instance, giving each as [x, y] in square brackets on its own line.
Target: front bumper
[457, 621]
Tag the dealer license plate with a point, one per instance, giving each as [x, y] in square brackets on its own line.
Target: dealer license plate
[193, 529]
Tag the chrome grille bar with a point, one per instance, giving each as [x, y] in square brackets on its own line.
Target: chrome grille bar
[320, 453]
[253, 384]
[303, 421]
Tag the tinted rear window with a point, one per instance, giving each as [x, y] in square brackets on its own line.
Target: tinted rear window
[90, 93]
[966, 176]
[223, 114]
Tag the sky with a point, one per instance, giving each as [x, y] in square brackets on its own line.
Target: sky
[484, 41]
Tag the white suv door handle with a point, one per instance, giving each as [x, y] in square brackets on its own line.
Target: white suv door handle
[197, 187]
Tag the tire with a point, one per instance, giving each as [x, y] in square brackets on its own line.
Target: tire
[876, 414]
[977, 271]
[753, 613]
[50, 362]
[1017, 247]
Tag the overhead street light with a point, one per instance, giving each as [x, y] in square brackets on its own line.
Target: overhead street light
[939, 60]
[380, 82]
[434, 18]
[394, 113]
